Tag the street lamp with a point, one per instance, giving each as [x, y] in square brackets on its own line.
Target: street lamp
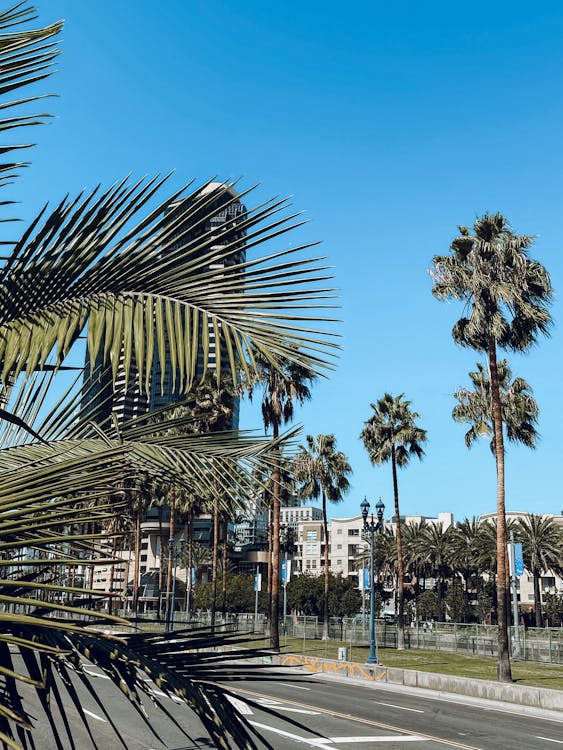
[175, 553]
[371, 527]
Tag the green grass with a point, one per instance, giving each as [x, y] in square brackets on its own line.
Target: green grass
[441, 662]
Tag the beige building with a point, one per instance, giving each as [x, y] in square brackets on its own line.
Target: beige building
[346, 543]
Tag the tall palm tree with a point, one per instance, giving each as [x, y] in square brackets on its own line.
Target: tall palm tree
[321, 470]
[506, 296]
[391, 434]
[283, 382]
[542, 547]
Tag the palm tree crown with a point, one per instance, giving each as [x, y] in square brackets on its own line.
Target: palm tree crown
[392, 430]
[505, 292]
[519, 408]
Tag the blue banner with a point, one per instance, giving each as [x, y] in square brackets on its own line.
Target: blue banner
[518, 559]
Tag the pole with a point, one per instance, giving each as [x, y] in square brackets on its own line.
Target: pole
[514, 596]
[256, 598]
[372, 658]
[173, 594]
[285, 590]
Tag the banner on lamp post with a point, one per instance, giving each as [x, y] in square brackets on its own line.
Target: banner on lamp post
[285, 572]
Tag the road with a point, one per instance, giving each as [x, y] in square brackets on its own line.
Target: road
[353, 715]
[299, 711]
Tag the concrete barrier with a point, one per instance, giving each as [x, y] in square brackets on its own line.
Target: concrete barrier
[498, 691]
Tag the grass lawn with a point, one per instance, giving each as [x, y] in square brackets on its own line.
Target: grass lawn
[442, 662]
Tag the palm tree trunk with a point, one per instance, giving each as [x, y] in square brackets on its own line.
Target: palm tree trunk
[214, 559]
[400, 563]
[270, 537]
[136, 567]
[504, 671]
[190, 539]
[327, 572]
[275, 610]
[224, 571]
[160, 571]
[170, 571]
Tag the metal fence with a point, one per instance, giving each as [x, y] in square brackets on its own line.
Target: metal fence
[531, 644]
[527, 644]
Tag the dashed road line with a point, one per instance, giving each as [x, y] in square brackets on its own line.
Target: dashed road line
[403, 708]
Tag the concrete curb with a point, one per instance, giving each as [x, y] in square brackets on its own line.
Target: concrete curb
[522, 695]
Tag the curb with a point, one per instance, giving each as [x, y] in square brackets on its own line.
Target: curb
[523, 695]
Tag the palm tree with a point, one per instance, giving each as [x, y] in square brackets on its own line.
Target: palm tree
[413, 535]
[84, 267]
[542, 546]
[437, 546]
[506, 296]
[391, 434]
[283, 382]
[464, 553]
[321, 470]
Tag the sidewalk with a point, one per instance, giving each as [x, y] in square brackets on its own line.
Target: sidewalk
[523, 695]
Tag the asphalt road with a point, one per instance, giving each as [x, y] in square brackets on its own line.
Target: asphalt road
[358, 715]
[299, 711]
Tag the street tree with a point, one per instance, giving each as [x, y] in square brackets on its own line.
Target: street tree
[322, 471]
[506, 296]
[283, 382]
[392, 434]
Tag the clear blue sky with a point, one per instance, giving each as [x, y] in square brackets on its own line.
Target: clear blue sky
[389, 126]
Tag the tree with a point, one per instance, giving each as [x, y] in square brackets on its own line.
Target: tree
[437, 541]
[391, 434]
[88, 266]
[283, 382]
[542, 547]
[463, 555]
[321, 470]
[506, 296]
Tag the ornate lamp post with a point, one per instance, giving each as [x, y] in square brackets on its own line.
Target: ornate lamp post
[176, 551]
[371, 527]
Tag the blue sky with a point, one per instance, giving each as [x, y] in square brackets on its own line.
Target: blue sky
[389, 126]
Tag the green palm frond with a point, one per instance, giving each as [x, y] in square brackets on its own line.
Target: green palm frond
[140, 290]
[518, 407]
[26, 57]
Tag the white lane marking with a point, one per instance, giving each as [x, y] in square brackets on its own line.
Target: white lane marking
[548, 739]
[97, 674]
[323, 742]
[357, 740]
[241, 706]
[403, 708]
[95, 716]
[312, 743]
[279, 706]
[294, 687]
